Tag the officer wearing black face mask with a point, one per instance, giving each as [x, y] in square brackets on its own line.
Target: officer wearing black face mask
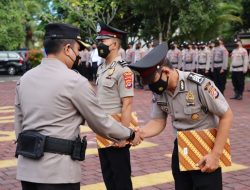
[115, 91]
[239, 67]
[174, 56]
[219, 64]
[51, 103]
[193, 102]
[203, 60]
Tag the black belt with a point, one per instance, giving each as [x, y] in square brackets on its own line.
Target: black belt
[174, 63]
[238, 66]
[60, 146]
[218, 61]
[202, 63]
[188, 62]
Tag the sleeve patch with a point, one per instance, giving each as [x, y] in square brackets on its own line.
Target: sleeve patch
[211, 90]
[128, 78]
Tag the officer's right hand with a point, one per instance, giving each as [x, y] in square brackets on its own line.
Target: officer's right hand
[138, 137]
[209, 163]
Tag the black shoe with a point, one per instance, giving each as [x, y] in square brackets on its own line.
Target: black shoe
[235, 97]
[239, 97]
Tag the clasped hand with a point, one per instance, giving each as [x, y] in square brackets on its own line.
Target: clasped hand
[137, 140]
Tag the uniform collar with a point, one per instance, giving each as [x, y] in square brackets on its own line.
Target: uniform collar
[53, 62]
[181, 86]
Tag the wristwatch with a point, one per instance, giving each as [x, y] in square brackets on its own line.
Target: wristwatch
[131, 136]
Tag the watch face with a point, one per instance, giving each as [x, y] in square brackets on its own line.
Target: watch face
[98, 28]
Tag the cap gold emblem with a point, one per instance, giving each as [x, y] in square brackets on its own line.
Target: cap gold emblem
[98, 28]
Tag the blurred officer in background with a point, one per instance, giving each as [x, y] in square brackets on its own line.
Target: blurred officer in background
[115, 93]
[129, 53]
[203, 60]
[220, 64]
[189, 59]
[84, 54]
[194, 103]
[174, 56]
[95, 61]
[51, 102]
[239, 67]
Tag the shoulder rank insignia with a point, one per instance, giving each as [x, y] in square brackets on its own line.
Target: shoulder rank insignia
[199, 79]
[122, 63]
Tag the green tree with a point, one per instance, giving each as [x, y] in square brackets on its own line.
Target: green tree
[11, 28]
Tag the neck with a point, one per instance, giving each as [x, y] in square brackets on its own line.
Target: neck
[111, 57]
[59, 58]
[173, 81]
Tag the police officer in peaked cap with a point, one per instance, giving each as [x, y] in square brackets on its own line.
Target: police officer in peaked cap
[51, 103]
[115, 91]
[193, 102]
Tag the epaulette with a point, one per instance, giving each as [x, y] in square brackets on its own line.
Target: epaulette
[122, 63]
[100, 64]
[196, 78]
[75, 71]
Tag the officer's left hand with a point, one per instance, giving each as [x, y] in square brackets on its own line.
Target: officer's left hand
[120, 144]
[209, 163]
[221, 71]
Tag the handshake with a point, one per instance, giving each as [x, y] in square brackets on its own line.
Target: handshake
[138, 138]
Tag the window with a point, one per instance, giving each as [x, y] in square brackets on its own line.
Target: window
[13, 55]
[3, 55]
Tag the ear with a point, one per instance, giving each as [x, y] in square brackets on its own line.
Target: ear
[165, 70]
[67, 49]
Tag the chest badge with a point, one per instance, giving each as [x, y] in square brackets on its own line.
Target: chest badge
[111, 71]
[190, 98]
[195, 116]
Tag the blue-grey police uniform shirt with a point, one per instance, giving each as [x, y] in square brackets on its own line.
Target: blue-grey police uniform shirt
[187, 106]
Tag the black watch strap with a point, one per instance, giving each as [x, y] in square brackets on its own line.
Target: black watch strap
[132, 135]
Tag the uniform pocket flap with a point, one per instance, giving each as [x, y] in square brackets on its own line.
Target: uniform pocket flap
[108, 83]
[192, 109]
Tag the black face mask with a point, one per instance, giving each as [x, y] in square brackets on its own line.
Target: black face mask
[103, 50]
[159, 86]
[76, 61]
[202, 48]
[172, 47]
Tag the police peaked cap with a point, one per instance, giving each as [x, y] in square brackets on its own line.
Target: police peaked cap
[237, 40]
[105, 32]
[64, 31]
[150, 62]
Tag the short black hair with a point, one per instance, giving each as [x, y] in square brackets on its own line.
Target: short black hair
[53, 46]
[167, 63]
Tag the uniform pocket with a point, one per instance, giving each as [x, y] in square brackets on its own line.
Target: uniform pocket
[192, 109]
[108, 83]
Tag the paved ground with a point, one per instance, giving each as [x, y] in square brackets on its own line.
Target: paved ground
[150, 161]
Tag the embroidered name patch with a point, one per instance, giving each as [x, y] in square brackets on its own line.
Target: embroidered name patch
[128, 78]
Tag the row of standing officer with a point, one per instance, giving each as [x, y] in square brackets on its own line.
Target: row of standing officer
[212, 62]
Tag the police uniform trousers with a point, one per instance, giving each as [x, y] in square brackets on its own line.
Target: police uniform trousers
[116, 167]
[238, 80]
[220, 79]
[194, 180]
[42, 186]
